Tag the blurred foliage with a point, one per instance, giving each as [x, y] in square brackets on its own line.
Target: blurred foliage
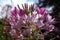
[2, 34]
[2, 24]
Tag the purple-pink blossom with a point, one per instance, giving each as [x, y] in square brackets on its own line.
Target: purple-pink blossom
[21, 12]
[25, 23]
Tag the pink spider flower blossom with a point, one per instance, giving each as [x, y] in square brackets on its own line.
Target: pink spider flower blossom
[26, 22]
[41, 11]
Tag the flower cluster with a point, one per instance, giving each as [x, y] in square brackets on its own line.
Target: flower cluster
[29, 23]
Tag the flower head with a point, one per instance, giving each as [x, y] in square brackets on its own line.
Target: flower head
[27, 25]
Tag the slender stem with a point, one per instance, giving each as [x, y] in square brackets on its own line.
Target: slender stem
[6, 36]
